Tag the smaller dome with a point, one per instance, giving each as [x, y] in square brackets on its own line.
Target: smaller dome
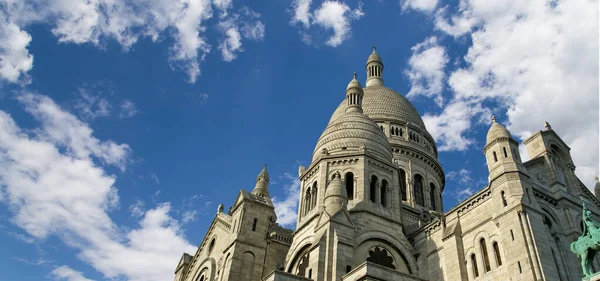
[354, 84]
[496, 131]
[353, 131]
[374, 57]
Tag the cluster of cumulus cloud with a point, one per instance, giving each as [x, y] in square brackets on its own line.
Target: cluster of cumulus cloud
[183, 22]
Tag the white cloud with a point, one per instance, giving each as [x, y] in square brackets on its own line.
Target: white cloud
[301, 12]
[96, 22]
[68, 274]
[450, 127]
[137, 209]
[251, 28]
[419, 5]
[55, 186]
[287, 208]
[535, 61]
[426, 70]
[189, 216]
[462, 176]
[15, 59]
[336, 16]
[128, 109]
[92, 106]
[331, 15]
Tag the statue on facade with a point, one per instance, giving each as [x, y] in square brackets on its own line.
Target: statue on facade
[586, 246]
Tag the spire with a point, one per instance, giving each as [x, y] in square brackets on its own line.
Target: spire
[374, 69]
[547, 126]
[335, 195]
[493, 119]
[262, 183]
[354, 95]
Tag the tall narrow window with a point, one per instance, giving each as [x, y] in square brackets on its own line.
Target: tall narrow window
[348, 268]
[315, 190]
[512, 235]
[474, 265]
[373, 189]
[495, 157]
[349, 179]
[505, 154]
[497, 254]
[520, 269]
[418, 186]
[504, 203]
[484, 254]
[384, 185]
[432, 195]
[402, 178]
[254, 224]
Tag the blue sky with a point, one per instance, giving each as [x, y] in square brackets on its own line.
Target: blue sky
[126, 124]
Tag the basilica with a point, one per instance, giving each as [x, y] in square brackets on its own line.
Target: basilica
[371, 207]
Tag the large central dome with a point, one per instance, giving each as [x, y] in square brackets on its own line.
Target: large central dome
[382, 103]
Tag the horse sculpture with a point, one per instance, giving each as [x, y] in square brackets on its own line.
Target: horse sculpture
[586, 246]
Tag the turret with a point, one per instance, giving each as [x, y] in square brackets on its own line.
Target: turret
[501, 151]
[374, 69]
[335, 196]
[262, 184]
[354, 96]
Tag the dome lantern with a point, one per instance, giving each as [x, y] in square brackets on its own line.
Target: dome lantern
[354, 96]
[374, 69]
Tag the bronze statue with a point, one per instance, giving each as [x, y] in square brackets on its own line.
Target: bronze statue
[586, 246]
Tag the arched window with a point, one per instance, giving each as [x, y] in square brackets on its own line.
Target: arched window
[397, 134]
[401, 132]
[504, 203]
[497, 254]
[384, 185]
[474, 265]
[349, 179]
[211, 245]
[432, 195]
[380, 256]
[484, 254]
[495, 157]
[402, 179]
[315, 189]
[418, 186]
[307, 201]
[373, 189]
[381, 127]
[254, 224]
[505, 154]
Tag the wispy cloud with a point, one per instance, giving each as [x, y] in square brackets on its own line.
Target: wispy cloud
[128, 109]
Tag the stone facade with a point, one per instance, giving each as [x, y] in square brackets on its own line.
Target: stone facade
[370, 207]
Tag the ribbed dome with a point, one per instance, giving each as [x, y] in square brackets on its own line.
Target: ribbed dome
[384, 103]
[374, 56]
[496, 131]
[353, 131]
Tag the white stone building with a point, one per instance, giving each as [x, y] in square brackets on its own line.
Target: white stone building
[371, 207]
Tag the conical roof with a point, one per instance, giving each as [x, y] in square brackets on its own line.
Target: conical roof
[496, 131]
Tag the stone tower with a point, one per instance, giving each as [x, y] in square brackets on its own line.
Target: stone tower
[242, 245]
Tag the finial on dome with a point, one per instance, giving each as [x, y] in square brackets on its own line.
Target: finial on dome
[597, 180]
[493, 119]
[374, 49]
[354, 74]
[547, 126]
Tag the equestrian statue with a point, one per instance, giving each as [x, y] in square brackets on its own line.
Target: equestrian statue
[586, 245]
